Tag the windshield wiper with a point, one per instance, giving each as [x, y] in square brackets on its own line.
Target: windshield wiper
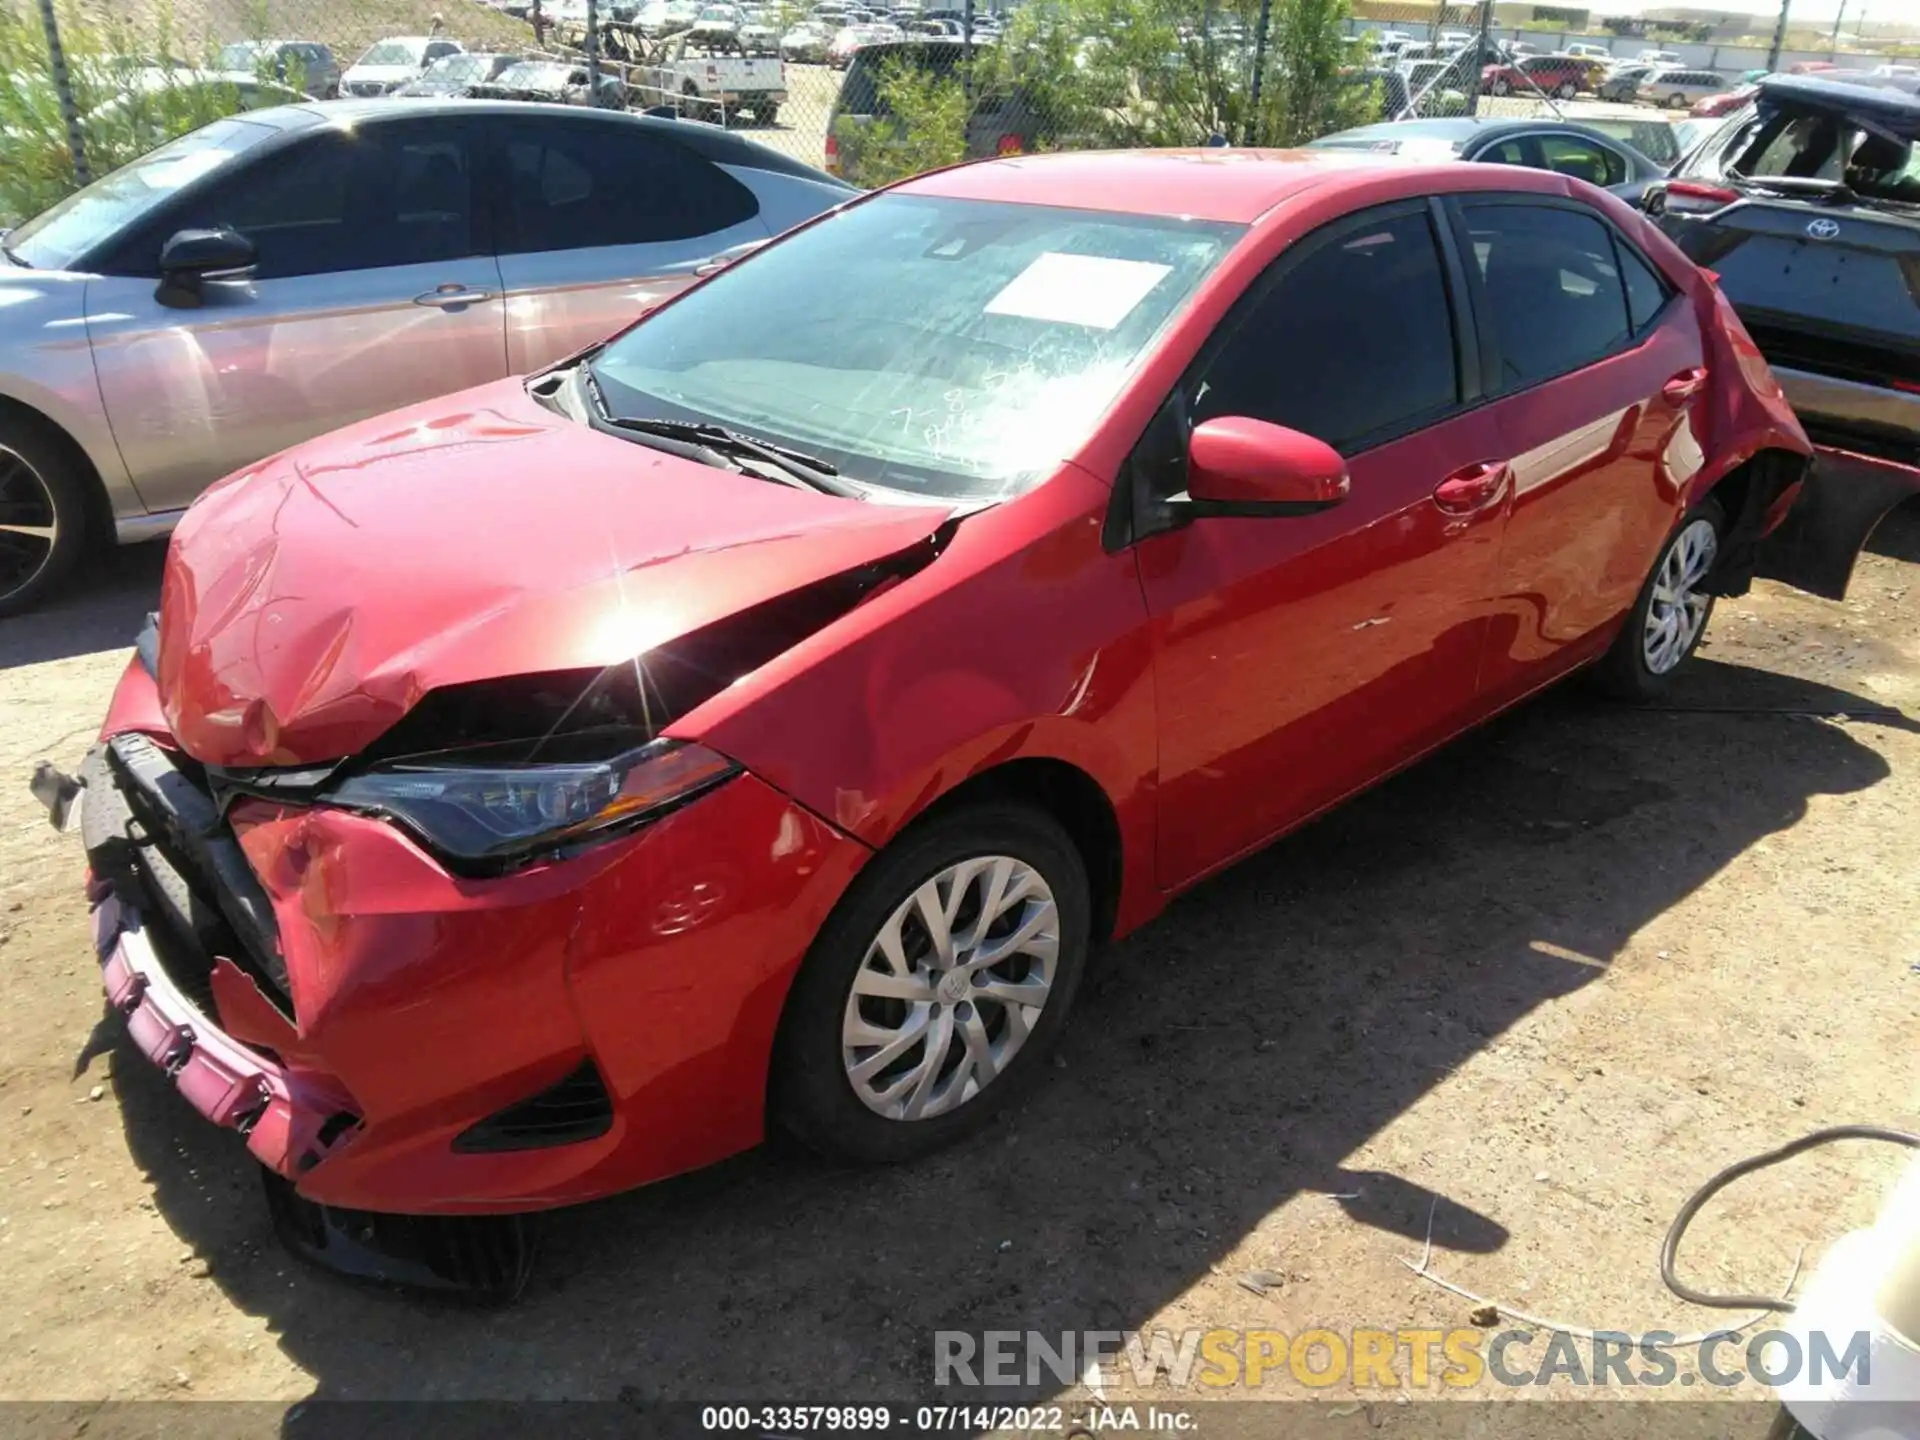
[712, 444]
[807, 470]
[12, 254]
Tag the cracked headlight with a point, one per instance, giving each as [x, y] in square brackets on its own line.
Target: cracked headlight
[475, 807]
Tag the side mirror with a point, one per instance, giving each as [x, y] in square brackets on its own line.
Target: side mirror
[1240, 466]
[192, 257]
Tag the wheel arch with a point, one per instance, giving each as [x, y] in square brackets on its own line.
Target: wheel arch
[1748, 494]
[1070, 796]
[99, 517]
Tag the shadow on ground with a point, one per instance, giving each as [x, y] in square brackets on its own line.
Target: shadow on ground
[102, 608]
[1229, 1057]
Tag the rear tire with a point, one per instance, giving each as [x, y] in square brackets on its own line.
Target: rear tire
[1667, 621]
[1566, 90]
[43, 512]
[1676, 102]
[885, 1022]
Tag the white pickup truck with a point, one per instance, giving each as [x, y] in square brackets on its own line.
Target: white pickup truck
[716, 83]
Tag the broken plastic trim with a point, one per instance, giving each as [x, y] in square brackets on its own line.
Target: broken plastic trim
[483, 1258]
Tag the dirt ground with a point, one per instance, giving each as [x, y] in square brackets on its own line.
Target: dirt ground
[1537, 988]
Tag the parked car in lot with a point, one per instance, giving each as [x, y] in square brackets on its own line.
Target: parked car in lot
[269, 277]
[558, 82]
[714, 82]
[1561, 76]
[719, 25]
[1567, 148]
[453, 75]
[1680, 89]
[392, 63]
[732, 787]
[806, 43]
[1002, 119]
[1807, 205]
[1623, 84]
[306, 64]
[1711, 107]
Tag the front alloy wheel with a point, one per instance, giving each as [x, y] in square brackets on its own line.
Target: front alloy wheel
[933, 993]
[42, 514]
[29, 524]
[951, 988]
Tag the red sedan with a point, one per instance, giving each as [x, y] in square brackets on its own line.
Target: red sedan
[759, 720]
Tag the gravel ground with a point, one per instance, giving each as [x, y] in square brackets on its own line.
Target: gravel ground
[1530, 993]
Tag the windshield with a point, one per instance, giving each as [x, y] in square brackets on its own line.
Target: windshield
[55, 238]
[393, 52]
[534, 77]
[240, 57]
[955, 348]
[458, 67]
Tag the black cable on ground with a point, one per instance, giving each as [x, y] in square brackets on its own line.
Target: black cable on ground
[1671, 1247]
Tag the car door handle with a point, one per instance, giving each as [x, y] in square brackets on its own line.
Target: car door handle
[1471, 488]
[445, 296]
[1684, 386]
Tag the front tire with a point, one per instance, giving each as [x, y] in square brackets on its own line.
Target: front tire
[932, 996]
[43, 513]
[1676, 102]
[1665, 626]
[1566, 91]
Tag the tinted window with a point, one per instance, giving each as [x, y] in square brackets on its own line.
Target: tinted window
[1354, 339]
[389, 195]
[1552, 291]
[94, 218]
[573, 186]
[1646, 291]
[1507, 152]
[1582, 159]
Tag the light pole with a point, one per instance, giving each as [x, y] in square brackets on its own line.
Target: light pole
[1779, 36]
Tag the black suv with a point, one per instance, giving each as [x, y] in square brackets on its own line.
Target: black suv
[1806, 203]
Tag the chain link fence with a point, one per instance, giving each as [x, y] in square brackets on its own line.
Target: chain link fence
[872, 89]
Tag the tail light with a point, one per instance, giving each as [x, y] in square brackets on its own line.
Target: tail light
[1687, 197]
[833, 156]
[1010, 145]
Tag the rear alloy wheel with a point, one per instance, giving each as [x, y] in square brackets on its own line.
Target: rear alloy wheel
[1666, 622]
[937, 987]
[1566, 91]
[1676, 101]
[1501, 87]
[42, 516]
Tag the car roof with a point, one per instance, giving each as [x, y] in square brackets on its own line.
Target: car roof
[1887, 104]
[1224, 184]
[722, 147]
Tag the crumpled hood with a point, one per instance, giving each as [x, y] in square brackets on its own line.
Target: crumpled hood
[310, 601]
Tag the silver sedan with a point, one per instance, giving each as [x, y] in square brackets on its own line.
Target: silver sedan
[279, 274]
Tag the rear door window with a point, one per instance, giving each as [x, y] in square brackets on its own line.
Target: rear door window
[580, 185]
[1550, 287]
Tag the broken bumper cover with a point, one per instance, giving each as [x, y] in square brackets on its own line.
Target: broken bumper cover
[232, 1085]
[391, 1038]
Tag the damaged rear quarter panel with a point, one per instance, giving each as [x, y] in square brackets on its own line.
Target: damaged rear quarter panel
[1025, 639]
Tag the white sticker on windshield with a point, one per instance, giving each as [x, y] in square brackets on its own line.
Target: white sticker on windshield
[1089, 290]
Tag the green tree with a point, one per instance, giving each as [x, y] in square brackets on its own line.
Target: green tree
[919, 123]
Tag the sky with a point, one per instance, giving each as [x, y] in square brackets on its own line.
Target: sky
[1811, 12]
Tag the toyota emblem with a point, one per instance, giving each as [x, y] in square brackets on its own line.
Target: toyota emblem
[1823, 229]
